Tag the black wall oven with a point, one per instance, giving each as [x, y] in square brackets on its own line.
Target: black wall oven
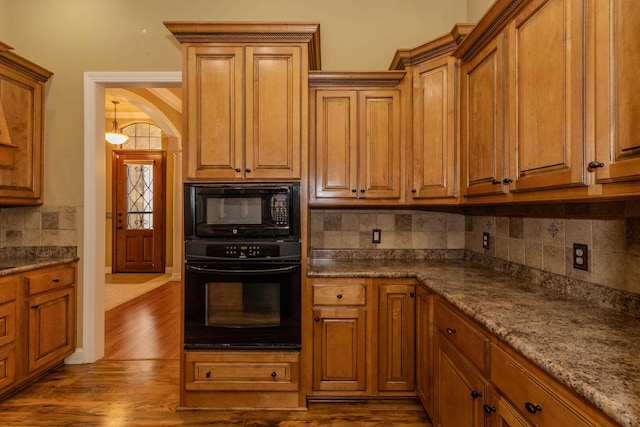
[243, 292]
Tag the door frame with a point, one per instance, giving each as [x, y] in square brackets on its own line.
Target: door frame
[92, 247]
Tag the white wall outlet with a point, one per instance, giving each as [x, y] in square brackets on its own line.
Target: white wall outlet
[376, 235]
[485, 240]
[580, 256]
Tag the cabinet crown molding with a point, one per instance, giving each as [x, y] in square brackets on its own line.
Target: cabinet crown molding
[432, 49]
[355, 78]
[251, 32]
[7, 57]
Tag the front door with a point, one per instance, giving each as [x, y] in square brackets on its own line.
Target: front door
[139, 211]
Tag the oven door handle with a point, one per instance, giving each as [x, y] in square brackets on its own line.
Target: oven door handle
[227, 271]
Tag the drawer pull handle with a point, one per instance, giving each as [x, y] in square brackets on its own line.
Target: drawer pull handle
[274, 374]
[531, 408]
[476, 394]
[451, 331]
[56, 280]
[595, 165]
[339, 296]
[488, 409]
[208, 374]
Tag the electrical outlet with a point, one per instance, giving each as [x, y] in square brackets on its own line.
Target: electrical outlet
[376, 235]
[485, 240]
[580, 256]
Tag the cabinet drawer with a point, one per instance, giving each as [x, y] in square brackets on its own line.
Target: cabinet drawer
[536, 399]
[240, 371]
[7, 289]
[7, 323]
[49, 279]
[350, 293]
[463, 335]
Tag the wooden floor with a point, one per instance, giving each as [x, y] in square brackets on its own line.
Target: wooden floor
[143, 389]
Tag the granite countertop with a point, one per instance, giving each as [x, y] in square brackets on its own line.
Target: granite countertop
[594, 350]
[10, 266]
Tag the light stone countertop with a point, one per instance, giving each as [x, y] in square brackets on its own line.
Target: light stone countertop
[594, 350]
[11, 266]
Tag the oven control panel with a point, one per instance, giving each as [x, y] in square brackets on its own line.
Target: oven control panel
[243, 250]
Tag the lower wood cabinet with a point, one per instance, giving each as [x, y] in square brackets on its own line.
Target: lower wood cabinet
[37, 323]
[363, 337]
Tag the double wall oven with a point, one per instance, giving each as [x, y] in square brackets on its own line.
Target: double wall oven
[242, 266]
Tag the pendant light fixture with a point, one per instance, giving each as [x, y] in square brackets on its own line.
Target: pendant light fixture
[115, 137]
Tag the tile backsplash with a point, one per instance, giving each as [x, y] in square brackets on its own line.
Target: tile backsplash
[24, 228]
[400, 229]
[537, 236]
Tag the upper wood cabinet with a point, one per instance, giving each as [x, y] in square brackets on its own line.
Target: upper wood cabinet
[357, 139]
[523, 114]
[22, 86]
[616, 112]
[433, 157]
[245, 98]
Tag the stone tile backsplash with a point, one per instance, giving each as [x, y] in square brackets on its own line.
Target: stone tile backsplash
[38, 226]
[400, 229]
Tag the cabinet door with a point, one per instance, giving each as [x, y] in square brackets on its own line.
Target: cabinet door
[336, 159]
[483, 121]
[434, 135]
[379, 145]
[617, 110]
[273, 112]
[339, 349]
[215, 108]
[51, 327]
[424, 348]
[21, 171]
[545, 95]
[459, 391]
[396, 337]
[504, 415]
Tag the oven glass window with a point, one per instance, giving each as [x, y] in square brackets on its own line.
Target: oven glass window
[234, 210]
[243, 305]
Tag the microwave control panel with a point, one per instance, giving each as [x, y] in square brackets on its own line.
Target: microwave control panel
[280, 209]
[243, 250]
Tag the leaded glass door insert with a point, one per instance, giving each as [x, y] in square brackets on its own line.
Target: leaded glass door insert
[139, 196]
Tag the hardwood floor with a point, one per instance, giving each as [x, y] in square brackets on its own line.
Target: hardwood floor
[144, 392]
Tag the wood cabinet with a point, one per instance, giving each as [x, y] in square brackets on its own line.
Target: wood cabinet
[241, 379]
[461, 363]
[37, 323]
[357, 137]
[363, 341]
[245, 98]
[433, 156]
[424, 347]
[616, 109]
[22, 85]
[523, 107]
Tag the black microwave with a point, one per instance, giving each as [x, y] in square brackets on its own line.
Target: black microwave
[242, 211]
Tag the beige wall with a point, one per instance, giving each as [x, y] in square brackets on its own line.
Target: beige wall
[477, 8]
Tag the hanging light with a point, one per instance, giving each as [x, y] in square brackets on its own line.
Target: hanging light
[115, 137]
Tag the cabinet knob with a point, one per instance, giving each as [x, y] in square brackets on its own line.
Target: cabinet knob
[238, 170]
[451, 331]
[414, 191]
[507, 180]
[274, 374]
[35, 307]
[55, 280]
[532, 408]
[339, 296]
[362, 191]
[353, 190]
[317, 319]
[495, 182]
[247, 170]
[412, 294]
[595, 165]
[488, 409]
[476, 394]
[208, 374]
